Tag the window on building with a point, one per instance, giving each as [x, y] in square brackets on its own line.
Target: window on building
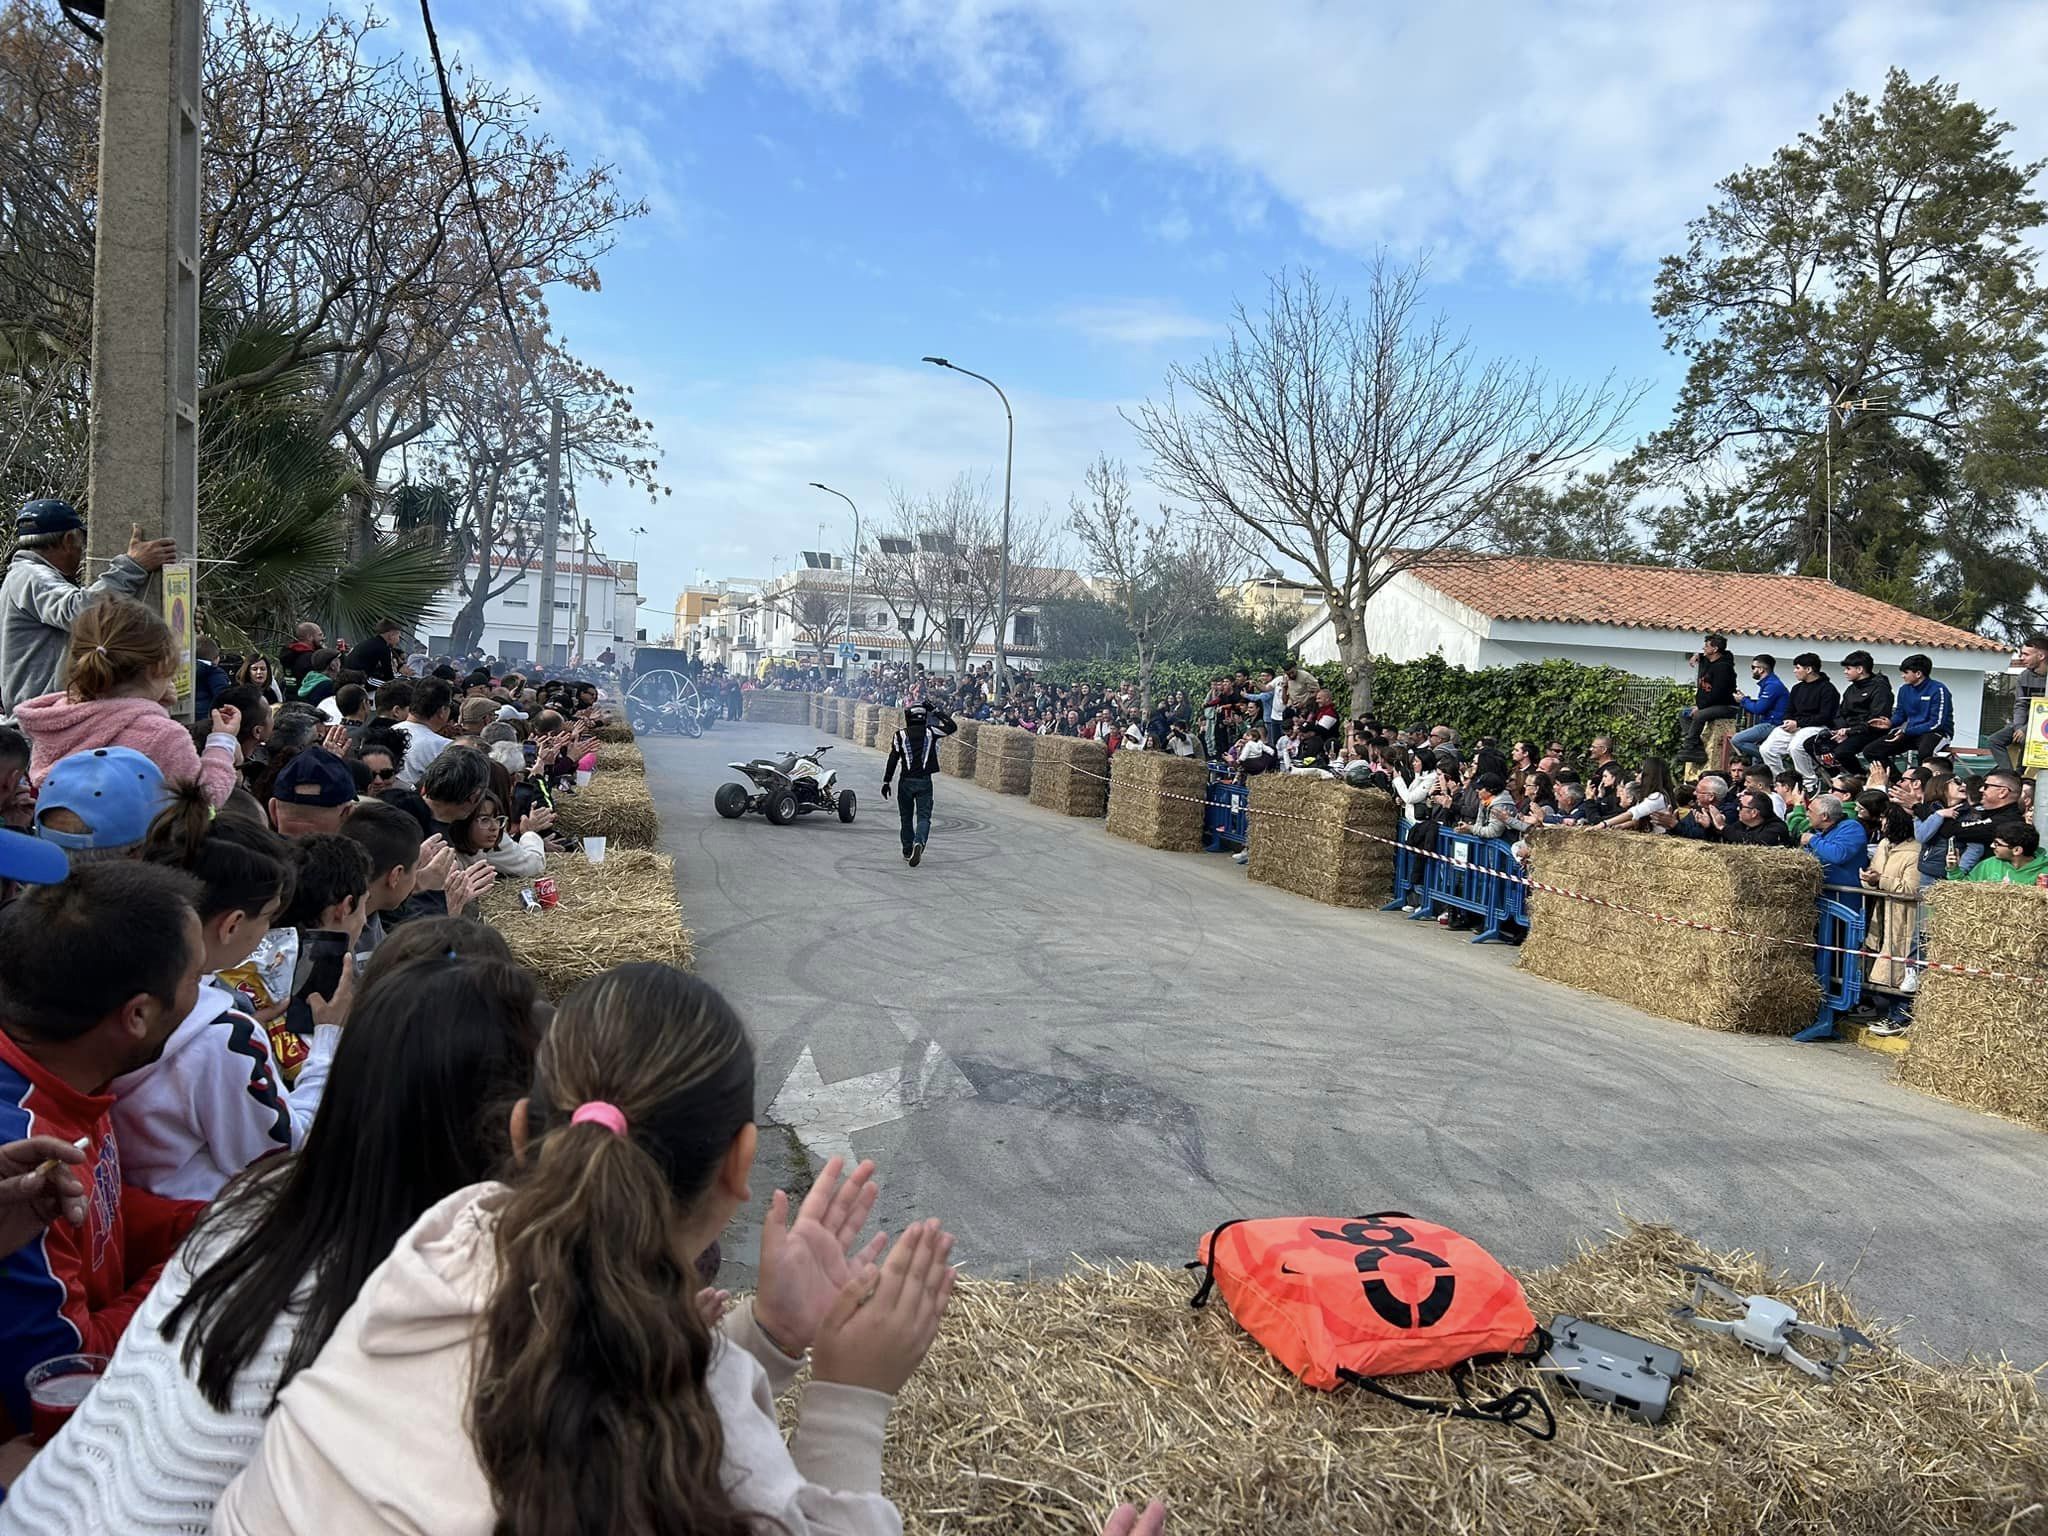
[881, 619]
[512, 650]
[1024, 629]
[437, 645]
[565, 607]
[957, 628]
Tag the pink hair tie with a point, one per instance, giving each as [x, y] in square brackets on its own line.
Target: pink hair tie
[597, 1112]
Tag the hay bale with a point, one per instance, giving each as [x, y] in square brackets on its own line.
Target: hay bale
[615, 806]
[1070, 776]
[1975, 1040]
[613, 757]
[1304, 839]
[776, 706]
[1156, 799]
[875, 727]
[849, 717]
[1002, 759]
[622, 910]
[617, 731]
[1043, 1403]
[828, 715]
[1714, 980]
[956, 752]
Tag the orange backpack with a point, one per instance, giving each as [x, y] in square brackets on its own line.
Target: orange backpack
[1345, 1299]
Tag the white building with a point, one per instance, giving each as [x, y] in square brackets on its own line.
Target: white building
[1499, 611]
[597, 603]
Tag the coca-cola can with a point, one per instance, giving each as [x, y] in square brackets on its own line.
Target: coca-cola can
[544, 888]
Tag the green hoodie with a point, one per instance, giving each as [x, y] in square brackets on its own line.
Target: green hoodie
[1995, 871]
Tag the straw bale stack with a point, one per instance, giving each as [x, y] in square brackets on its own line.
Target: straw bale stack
[875, 726]
[1976, 1040]
[618, 731]
[776, 706]
[1303, 839]
[1043, 1403]
[956, 752]
[1002, 759]
[1070, 776]
[1714, 980]
[848, 715]
[1156, 799]
[622, 910]
[613, 757]
[614, 806]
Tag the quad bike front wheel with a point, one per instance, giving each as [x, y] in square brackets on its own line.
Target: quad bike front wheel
[731, 801]
[781, 808]
[846, 804]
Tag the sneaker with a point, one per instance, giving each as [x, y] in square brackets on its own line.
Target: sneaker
[1443, 919]
[1887, 1029]
[906, 855]
[1240, 857]
[916, 853]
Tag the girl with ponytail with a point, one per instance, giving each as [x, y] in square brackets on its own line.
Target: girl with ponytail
[216, 1100]
[534, 1359]
[122, 663]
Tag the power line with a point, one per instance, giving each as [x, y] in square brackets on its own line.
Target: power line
[469, 182]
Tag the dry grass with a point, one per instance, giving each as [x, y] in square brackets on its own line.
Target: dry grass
[875, 726]
[1002, 759]
[1140, 809]
[1044, 1404]
[1302, 839]
[957, 751]
[616, 757]
[776, 706]
[1717, 981]
[622, 910]
[612, 805]
[617, 731]
[1070, 775]
[1977, 1041]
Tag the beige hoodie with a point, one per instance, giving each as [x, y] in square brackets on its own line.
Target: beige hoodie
[372, 1436]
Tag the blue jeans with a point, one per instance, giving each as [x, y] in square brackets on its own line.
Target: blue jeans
[914, 807]
[1747, 743]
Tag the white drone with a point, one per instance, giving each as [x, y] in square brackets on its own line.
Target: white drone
[1768, 1326]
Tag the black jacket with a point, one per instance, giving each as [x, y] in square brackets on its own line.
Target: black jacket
[1813, 703]
[938, 724]
[374, 659]
[1974, 824]
[1863, 702]
[1768, 833]
[1716, 685]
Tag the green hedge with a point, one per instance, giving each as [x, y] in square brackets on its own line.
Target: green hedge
[1541, 700]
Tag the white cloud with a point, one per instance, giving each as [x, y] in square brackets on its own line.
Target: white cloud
[1174, 228]
[741, 454]
[1546, 135]
[1136, 322]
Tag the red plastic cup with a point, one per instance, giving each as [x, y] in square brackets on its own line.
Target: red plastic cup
[56, 1388]
[544, 888]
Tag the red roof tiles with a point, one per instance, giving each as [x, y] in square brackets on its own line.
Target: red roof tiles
[1663, 597]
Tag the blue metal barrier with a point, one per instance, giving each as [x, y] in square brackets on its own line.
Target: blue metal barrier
[1408, 874]
[1225, 815]
[1469, 878]
[1843, 923]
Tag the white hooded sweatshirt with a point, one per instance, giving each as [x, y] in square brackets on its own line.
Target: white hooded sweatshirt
[214, 1101]
[373, 1436]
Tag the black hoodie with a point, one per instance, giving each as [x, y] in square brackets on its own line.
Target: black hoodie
[1863, 702]
[1813, 703]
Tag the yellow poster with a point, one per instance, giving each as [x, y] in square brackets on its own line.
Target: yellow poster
[2037, 735]
[178, 614]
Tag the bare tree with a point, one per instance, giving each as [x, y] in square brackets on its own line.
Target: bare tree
[1162, 576]
[819, 616]
[1356, 446]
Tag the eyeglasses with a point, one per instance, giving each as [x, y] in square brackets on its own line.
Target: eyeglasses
[489, 819]
[378, 774]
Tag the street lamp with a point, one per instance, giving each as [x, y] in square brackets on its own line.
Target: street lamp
[636, 532]
[1838, 404]
[1003, 569]
[853, 564]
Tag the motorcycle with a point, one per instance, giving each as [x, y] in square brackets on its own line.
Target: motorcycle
[785, 788]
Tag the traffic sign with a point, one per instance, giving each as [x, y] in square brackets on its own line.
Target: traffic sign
[848, 651]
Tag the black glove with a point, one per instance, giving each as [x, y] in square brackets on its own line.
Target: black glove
[885, 789]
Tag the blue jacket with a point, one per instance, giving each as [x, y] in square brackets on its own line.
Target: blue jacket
[1930, 707]
[1843, 850]
[1769, 704]
[209, 682]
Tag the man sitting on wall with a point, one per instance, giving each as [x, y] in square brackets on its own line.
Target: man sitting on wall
[1713, 695]
[1767, 709]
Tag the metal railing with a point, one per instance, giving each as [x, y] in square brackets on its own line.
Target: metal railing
[1470, 874]
[1226, 813]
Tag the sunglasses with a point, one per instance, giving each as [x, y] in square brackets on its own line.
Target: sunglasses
[377, 774]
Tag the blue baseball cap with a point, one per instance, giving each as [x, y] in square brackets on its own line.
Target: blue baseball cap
[47, 515]
[30, 860]
[115, 791]
[315, 777]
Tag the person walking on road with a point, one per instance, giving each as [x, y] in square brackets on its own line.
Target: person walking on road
[916, 751]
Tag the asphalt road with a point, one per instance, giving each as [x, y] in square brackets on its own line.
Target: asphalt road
[1062, 1044]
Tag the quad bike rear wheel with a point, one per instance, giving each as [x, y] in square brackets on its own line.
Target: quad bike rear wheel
[731, 801]
[781, 808]
[846, 805]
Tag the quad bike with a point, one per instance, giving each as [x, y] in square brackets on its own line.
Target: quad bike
[785, 788]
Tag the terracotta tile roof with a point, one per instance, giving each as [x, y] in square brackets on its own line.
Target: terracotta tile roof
[1663, 597]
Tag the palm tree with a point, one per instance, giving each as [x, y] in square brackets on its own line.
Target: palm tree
[274, 514]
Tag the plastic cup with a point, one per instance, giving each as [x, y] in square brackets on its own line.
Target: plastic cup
[582, 778]
[56, 1388]
[593, 849]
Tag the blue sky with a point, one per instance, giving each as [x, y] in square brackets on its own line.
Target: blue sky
[1068, 195]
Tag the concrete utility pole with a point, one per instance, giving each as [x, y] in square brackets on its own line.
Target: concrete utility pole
[583, 598]
[145, 312]
[550, 538]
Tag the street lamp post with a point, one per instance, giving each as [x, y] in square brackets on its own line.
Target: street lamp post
[853, 564]
[1003, 568]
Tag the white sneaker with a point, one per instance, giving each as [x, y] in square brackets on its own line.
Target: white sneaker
[1240, 857]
